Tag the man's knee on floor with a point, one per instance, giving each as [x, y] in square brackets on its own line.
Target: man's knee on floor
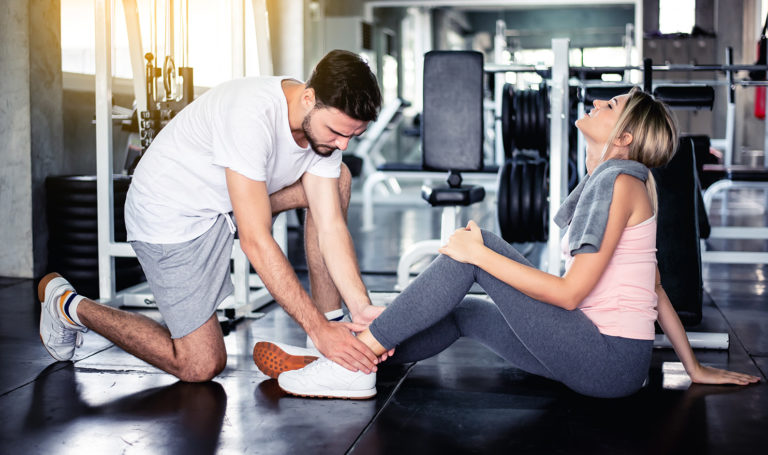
[202, 369]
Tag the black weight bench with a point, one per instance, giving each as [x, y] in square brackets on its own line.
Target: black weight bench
[452, 141]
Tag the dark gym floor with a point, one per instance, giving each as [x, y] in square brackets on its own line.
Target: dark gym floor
[464, 400]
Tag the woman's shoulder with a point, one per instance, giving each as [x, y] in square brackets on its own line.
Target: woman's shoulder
[631, 193]
[626, 182]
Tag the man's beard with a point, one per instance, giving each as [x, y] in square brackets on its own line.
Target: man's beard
[320, 149]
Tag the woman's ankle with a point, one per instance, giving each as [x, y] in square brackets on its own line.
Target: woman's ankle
[373, 344]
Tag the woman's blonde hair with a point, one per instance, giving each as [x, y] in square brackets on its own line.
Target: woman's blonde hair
[654, 134]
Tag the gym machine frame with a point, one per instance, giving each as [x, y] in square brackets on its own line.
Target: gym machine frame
[244, 302]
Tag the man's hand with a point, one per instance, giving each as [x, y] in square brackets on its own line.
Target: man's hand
[336, 342]
[366, 315]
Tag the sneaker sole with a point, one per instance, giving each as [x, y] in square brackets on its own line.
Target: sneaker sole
[357, 395]
[272, 360]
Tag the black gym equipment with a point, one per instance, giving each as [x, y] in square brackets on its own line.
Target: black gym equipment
[686, 97]
[523, 208]
[73, 232]
[678, 232]
[524, 120]
[452, 126]
[591, 94]
[452, 140]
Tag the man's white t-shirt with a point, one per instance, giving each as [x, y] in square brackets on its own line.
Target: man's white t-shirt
[179, 187]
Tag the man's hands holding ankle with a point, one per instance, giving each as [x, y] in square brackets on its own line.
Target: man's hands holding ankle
[336, 342]
[364, 316]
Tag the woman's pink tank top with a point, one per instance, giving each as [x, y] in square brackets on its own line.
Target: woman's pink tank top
[623, 303]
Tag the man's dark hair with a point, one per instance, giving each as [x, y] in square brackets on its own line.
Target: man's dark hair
[344, 81]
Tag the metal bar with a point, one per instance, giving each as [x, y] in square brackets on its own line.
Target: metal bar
[512, 68]
[262, 37]
[734, 257]
[171, 32]
[558, 140]
[738, 232]
[647, 75]
[765, 122]
[448, 223]
[104, 200]
[241, 270]
[121, 250]
[237, 13]
[581, 144]
[730, 112]
[133, 27]
[702, 340]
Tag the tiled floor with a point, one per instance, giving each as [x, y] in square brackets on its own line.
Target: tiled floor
[464, 400]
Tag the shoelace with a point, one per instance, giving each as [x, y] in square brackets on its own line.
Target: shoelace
[63, 335]
[316, 364]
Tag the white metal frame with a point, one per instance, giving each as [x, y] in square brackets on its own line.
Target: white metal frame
[558, 148]
[426, 248]
[733, 232]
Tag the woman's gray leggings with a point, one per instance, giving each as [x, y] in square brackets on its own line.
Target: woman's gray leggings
[537, 337]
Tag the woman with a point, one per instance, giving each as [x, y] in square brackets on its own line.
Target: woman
[591, 329]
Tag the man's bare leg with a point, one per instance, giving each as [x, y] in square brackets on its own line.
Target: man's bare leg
[324, 292]
[196, 357]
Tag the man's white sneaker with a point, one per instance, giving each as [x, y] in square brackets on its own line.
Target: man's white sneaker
[275, 358]
[59, 336]
[326, 379]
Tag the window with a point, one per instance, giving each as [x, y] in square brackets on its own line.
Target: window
[677, 16]
[210, 38]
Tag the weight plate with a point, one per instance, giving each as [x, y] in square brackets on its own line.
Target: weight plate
[502, 202]
[518, 136]
[84, 183]
[526, 185]
[544, 112]
[544, 201]
[526, 127]
[506, 115]
[514, 202]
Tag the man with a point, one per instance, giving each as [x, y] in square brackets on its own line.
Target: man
[253, 147]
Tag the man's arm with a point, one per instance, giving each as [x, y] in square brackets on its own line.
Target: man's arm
[250, 202]
[336, 245]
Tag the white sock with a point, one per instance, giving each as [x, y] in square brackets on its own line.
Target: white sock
[68, 306]
[334, 315]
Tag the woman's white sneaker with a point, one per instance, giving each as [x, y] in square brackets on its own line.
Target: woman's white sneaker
[326, 379]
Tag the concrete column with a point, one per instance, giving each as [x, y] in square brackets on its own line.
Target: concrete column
[30, 129]
[16, 252]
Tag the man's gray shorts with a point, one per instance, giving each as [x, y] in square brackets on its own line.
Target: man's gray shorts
[190, 279]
